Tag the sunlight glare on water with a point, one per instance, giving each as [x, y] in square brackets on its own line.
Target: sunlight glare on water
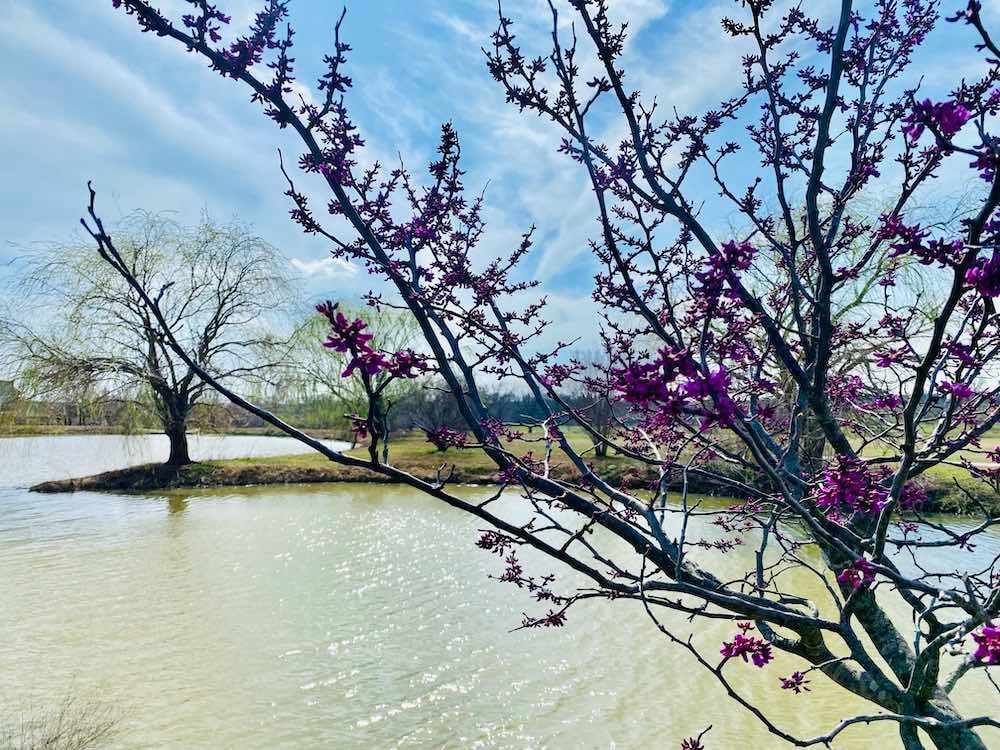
[347, 617]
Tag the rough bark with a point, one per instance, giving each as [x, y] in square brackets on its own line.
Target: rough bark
[942, 709]
[177, 435]
[813, 445]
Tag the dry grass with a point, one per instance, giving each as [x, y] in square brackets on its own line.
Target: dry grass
[73, 724]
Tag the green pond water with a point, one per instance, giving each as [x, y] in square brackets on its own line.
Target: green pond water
[346, 616]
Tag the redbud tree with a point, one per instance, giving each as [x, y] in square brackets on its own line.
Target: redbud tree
[736, 352]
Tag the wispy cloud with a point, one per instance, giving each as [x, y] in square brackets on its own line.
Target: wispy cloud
[156, 128]
[325, 268]
[92, 66]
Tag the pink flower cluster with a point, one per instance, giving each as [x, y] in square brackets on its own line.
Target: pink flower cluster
[890, 357]
[885, 401]
[946, 118]
[352, 337]
[554, 375]
[359, 426]
[911, 240]
[958, 390]
[644, 382]
[851, 486]
[207, 23]
[715, 387]
[984, 276]
[651, 384]
[444, 438]
[912, 496]
[857, 575]
[514, 472]
[735, 256]
[747, 647]
[987, 644]
[795, 682]
[986, 162]
[249, 50]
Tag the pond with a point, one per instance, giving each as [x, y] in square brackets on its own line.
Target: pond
[338, 616]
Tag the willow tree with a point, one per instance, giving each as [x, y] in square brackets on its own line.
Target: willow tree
[81, 328]
[700, 325]
[314, 374]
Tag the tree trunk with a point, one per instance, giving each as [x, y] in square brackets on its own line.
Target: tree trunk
[177, 435]
[942, 709]
[813, 445]
[956, 739]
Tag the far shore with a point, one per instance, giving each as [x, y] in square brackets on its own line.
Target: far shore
[45, 430]
[409, 452]
[413, 454]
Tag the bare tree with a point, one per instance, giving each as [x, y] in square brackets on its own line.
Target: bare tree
[83, 334]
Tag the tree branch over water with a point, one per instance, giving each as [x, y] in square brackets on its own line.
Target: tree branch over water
[727, 349]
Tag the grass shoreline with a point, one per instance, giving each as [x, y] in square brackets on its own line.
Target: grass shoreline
[16, 431]
[413, 454]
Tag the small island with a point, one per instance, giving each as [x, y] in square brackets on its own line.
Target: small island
[414, 453]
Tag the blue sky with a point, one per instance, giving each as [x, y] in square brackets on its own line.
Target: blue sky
[88, 97]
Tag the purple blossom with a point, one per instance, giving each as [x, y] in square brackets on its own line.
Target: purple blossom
[912, 496]
[963, 353]
[890, 357]
[345, 335]
[749, 648]
[988, 644]
[885, 401]
[555, 375]
[947, 118]
[444, 438]
[957, 390]
[984, 276]
[359, 426]
[648, 382]
[732, 257]
[795, 682]
[715, 388]
[857, 575]
[986, 162]
[850, 485]
[352, 337]
[912, 240]
[407, 364]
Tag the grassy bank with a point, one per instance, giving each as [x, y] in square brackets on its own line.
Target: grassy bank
[57, 430]
[412, 453]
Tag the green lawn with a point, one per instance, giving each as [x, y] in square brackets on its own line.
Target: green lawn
[413, 453]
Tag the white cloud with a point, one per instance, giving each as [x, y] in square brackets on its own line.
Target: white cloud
[325, 268]
[93, 66]
[463, 28]
[20, 123]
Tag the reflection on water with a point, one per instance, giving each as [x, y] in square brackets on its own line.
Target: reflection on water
[349, 617]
